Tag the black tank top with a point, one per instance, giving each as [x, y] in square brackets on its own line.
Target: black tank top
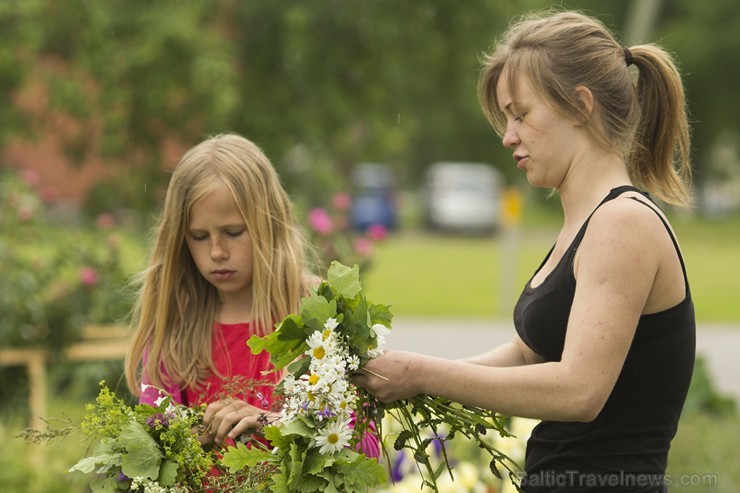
[626, 447]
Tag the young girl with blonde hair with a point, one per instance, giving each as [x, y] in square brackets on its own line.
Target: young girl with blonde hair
[228, 261]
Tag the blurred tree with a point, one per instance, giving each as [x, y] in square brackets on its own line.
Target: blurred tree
[706, 38]
[319, 84]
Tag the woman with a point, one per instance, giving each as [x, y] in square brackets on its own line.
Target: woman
[605, 331]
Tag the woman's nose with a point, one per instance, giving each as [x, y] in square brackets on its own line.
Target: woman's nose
[510, 138]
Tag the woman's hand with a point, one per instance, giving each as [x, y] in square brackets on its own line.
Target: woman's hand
[392, 376]
[232, 417]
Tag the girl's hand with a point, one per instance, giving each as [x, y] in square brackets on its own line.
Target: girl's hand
[232, 417]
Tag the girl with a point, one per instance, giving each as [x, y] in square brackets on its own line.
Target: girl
[605, 331]
[227, 262]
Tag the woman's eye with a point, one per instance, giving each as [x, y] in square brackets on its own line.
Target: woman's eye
[198, 237]
[235, 234]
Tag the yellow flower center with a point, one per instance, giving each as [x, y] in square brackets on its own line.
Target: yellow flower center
[319, 352]
[333, 438]
[313, 379]
[326, 334]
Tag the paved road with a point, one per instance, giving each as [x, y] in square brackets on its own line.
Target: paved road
[719, 344]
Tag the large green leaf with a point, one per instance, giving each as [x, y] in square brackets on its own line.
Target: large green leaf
[104, 453]
[344, 281]
[316, 310]
[143, 455]
[168, 473]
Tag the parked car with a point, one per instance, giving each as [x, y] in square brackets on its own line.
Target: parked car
[462, 197]
[374, 196]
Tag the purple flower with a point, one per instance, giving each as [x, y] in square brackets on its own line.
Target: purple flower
[325, 413]
[157, 420]
[397, 468]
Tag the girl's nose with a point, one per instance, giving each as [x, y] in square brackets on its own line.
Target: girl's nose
[218, 250]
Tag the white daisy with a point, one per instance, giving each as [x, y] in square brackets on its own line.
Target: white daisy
[334, 437]
[380, 331]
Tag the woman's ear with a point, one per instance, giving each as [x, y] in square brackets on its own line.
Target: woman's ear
[585, 100]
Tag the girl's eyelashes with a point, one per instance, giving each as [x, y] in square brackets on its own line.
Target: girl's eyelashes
[204, 236]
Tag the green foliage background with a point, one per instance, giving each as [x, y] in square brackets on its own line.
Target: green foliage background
[319, 84]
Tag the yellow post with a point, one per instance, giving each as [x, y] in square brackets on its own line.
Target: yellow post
[511, 217]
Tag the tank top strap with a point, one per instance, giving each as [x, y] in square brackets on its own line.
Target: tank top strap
[616, 192]
[613, 194]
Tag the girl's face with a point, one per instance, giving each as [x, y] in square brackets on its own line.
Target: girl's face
[543, 140]
[221, 246]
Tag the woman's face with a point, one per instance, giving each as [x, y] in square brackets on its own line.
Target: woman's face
[543, 140]
[221, 246]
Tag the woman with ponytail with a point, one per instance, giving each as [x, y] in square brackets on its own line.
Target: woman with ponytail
[604, 341]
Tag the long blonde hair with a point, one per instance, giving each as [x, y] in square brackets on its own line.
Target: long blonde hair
[646, 121]
[176, 306]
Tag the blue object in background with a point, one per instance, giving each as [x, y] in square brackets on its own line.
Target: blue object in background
[374, 196]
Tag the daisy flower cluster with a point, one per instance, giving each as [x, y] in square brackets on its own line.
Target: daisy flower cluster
[318, 442]
[324, 390]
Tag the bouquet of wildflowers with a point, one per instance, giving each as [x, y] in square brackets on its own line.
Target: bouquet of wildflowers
[147, 449]
[322, 421]
[336, 331]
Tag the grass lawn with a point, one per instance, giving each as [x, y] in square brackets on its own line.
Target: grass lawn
[424, 275]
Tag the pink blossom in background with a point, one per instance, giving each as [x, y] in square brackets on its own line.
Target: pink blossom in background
[106, 220]
[89, 276]
[377, 232]
[320, 221]
[31, 176]
[342, 201]
[363, 246]
[49, 194]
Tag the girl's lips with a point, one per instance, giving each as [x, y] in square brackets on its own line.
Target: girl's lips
[520, 161]
[222, 274]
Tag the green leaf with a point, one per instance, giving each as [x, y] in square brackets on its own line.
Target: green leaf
[103, 453]
[380, 314]
[241, 456]
[316, 462]
[298, 427]
[359, 336]
[275, 436]
[284, 345]
[279, 483]
[168, 473]
[108, 484]
[312, 484]
[295, 470]
[143, 455]
[315, 311]
[361, 474]
[344, 281]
